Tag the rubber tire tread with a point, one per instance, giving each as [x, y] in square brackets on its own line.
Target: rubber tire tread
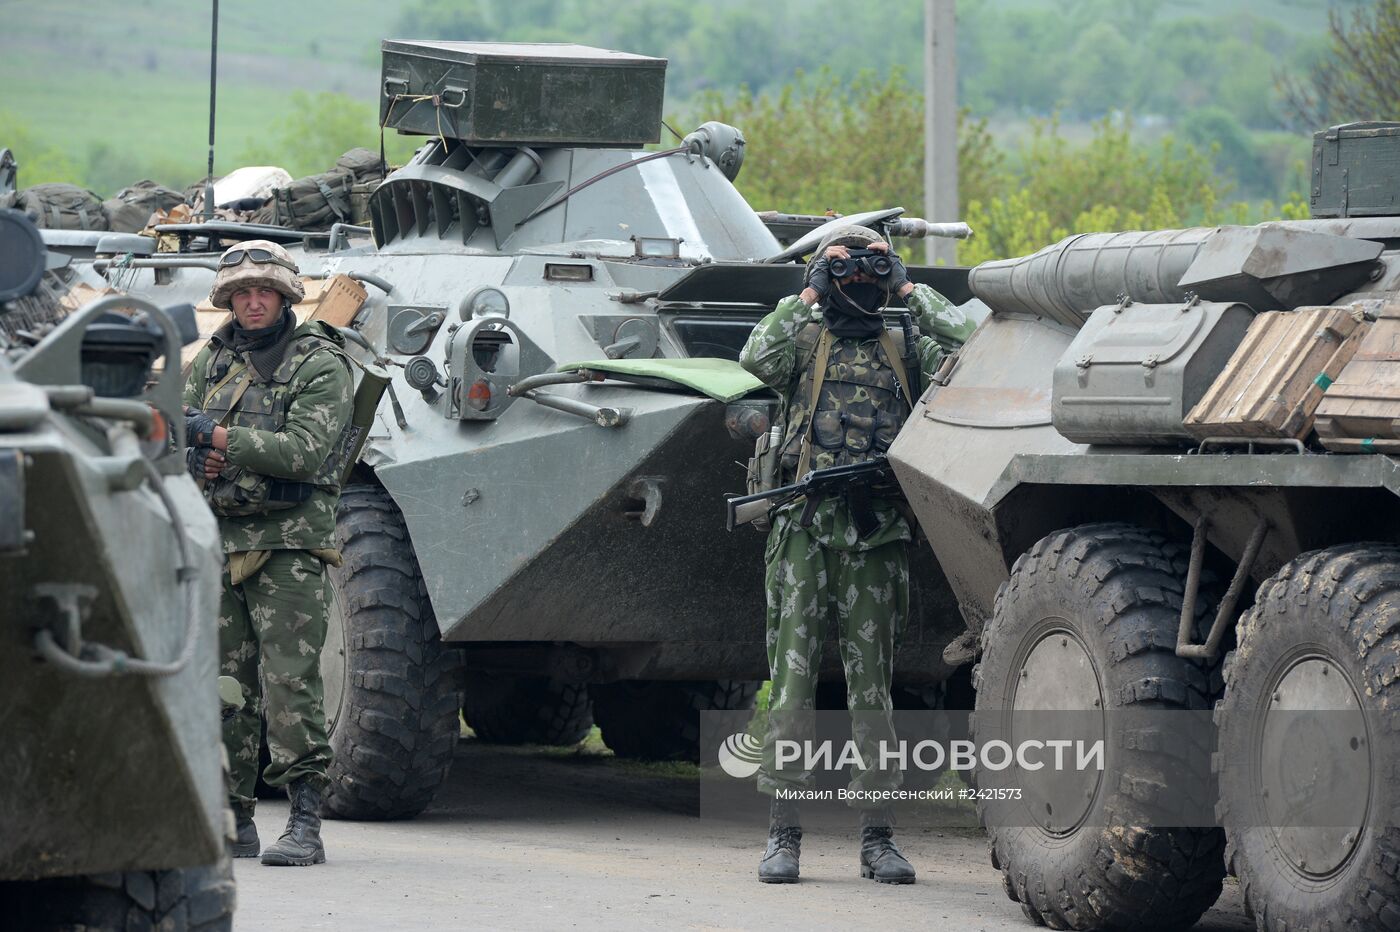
[190, 899]
[1349, 593]
[505, 709]
[393, 744]
[1131, 876]
[660, 720]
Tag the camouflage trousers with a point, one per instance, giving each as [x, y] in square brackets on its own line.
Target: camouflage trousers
[868, 593]
[271, 630]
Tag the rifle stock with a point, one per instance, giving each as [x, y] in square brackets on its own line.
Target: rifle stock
[816, 485]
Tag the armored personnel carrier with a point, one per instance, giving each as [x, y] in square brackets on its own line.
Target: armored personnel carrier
[112, 809]
[1135, 479]
[535, 533]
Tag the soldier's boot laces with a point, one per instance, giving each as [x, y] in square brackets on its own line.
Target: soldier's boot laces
[779, 864]
[300, 845]
[246, 843]
[880, 860]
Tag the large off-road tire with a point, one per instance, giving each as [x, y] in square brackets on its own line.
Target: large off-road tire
[1094, 611]
[526, 709]
[191, 899]
[661, 720]
[1324, 634]
[393, 691]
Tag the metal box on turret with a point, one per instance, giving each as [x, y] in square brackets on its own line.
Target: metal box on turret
[1354, 170]
[533, 94]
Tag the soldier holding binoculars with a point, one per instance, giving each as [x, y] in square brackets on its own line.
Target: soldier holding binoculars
[846, 389]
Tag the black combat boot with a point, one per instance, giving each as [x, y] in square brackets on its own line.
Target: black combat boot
[300, 844]
[880, 860]
[779, 864]
[246, 844]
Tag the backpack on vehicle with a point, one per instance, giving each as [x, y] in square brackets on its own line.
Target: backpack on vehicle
[363, 164]
[312, 203]
[58, 206]
[130, 208]
[368, 170]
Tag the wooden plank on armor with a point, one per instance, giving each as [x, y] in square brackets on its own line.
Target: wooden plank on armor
[1276, 378]
[335, 300]
[1361, 411]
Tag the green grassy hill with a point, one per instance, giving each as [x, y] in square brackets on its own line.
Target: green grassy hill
[132, 78]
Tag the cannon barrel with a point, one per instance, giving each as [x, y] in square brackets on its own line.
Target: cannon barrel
[1066, 281]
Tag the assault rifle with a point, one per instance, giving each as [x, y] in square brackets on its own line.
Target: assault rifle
[854, 481]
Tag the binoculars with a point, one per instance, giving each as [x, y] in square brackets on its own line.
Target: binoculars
[872, 263]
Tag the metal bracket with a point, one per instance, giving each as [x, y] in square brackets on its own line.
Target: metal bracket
[944, 374]
[71, 600]
[1288, 444]
[1211, 648]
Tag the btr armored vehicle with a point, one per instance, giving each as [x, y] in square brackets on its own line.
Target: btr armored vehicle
[112, 807]
[535, 533]
[1137, 476]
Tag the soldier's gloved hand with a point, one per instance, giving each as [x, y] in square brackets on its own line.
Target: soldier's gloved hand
[205, 462]
[199, 428]
[195, 458]
[820, 279]
[898, 276]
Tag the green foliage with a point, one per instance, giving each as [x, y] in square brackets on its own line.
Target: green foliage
[1056, 188]
[822, 143]
[39, 161]
[1358, 78]
[318, 130]
[1084, 58]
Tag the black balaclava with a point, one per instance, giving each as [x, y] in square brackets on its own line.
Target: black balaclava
[265, 346]
[853, 309]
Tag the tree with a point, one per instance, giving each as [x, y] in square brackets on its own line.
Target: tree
[823, 143]
[319, 129]
[1055, 188]
[1359, 76]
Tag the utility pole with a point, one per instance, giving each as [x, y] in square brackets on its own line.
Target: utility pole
[940, 124]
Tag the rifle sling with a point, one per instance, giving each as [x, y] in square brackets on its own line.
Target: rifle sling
[822, 357]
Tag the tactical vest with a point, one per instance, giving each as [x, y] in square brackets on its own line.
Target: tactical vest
[859, 407]
[236, 397]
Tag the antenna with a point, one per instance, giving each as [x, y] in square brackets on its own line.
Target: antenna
[213, 86]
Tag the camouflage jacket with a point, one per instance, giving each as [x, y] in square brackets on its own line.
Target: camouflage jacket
[778, 353]
[292, 427]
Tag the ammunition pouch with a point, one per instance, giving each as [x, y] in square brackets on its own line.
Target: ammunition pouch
[239, 492]
[762, 472]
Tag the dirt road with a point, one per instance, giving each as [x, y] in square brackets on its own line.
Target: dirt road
[531, 839]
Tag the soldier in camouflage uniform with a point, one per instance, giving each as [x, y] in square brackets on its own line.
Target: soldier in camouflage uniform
[842, 378]
[268, 408]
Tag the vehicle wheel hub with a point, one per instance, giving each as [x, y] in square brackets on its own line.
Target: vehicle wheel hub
[1315, 766]
[333, 660]
[1059, 681]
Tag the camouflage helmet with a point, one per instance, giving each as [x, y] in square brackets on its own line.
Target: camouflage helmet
[850, 235]
[278, 273]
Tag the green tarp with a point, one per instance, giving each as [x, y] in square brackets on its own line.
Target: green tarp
[721, 379]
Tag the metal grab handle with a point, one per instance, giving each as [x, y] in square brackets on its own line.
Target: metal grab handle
[391, 83]
[461, 91]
